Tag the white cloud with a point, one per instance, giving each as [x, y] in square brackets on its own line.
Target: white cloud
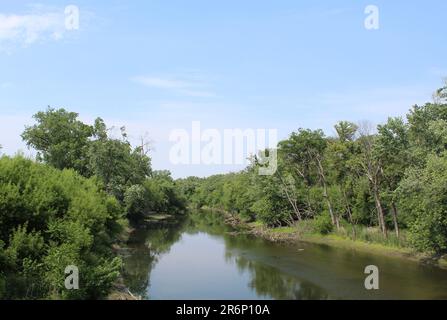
[187, 87]
[38, 24]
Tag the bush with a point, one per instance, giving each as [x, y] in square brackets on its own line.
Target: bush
[322, 224]
[50, 219]
[425, 204]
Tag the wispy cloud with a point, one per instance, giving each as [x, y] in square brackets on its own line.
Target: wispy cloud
[182, 86]
[38, 24]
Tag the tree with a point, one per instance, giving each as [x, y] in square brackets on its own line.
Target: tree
[60, 139]
[341, 153]
[50, 219]
[392, 148]
[117, 165]
[425, 134]
[440, 96]
[306, 152]
[423, 196]
[371, 167]
[346, 131]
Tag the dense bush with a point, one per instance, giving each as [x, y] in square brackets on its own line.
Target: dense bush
[322, 224]
[50, 219]
[426, 204]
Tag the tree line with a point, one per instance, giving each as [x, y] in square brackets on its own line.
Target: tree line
[385, 183]
[72, 204]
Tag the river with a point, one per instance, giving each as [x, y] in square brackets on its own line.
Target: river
[200, 257]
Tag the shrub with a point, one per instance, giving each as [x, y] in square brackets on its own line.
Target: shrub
[425, 204]
[322, 224]
[50, 219]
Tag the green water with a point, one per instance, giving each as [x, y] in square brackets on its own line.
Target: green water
[200, 258]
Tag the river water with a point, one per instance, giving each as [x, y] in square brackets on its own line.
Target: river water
[201, 258]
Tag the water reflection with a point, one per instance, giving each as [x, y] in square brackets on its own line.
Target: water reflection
[269, 282]
[200, 257]
[144, 249]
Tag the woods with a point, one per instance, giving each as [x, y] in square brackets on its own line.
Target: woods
[76, 201]
[383, 184]
[72, 205]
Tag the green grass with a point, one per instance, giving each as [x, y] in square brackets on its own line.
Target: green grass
[366, 239]
[256, 224]
[371, 247]
[285, 230]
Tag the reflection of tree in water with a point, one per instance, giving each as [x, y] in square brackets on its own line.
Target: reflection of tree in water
[144, 249]
[265, 280]
[272, 283]
[146, 246]
[206, 221]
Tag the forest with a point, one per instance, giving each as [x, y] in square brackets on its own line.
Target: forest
[386, 184]
[72, 205]
[78, 199]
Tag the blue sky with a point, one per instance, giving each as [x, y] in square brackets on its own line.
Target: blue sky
[155, 66]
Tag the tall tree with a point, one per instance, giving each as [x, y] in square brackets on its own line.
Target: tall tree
[371, 167]
[341, 153]
[60, 139]
[306, 151]
[392, 148]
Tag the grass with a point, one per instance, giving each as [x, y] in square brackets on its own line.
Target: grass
[370, 247]
[374, 235]
[256, 224]
[285, 230]
[366, 239]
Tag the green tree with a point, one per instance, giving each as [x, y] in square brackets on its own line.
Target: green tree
[60, 139]
[50, 219]
[392, 148]
[305, 150]
[423, 196]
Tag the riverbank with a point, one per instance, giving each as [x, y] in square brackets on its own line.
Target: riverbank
[119, 290]
[179, 261]
[294, 235]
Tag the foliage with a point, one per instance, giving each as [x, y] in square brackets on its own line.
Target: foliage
[50, 219]
[71, 206]
[393, 178]
[124, 172]
[61, 139]
[323, 224]
[425, 202]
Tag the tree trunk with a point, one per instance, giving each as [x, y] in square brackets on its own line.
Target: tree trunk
[380, 214]
[291, 201]
[334, 219]
[396, 224]
[348, 208]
